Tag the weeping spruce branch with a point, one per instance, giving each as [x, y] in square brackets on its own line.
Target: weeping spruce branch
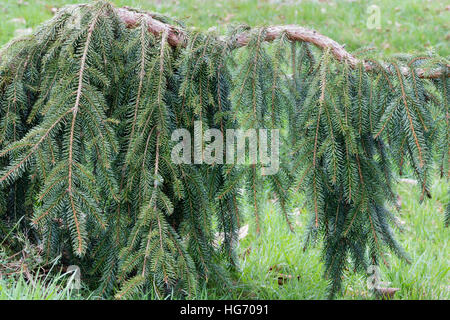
[88, 104]
[177, 37]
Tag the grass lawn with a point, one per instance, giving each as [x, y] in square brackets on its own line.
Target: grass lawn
[405, 26]
[422, 234]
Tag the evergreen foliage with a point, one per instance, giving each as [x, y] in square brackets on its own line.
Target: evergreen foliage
[86, 116]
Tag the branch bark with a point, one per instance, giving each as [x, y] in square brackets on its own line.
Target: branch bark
[177, 37]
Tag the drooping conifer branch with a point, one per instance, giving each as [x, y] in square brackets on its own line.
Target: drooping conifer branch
[177, 37]
[86, 150]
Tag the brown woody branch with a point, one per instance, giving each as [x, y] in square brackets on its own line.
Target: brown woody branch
[177, 37]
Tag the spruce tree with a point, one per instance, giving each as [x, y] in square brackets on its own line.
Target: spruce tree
[88, 104]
